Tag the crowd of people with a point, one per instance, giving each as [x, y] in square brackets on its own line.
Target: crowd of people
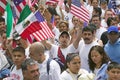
[78, 50]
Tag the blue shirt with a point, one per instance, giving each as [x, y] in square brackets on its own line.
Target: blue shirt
[113, 50]
[101, 74]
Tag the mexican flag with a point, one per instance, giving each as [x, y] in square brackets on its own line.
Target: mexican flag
[9, 21]
[27, 23]
[24, 14]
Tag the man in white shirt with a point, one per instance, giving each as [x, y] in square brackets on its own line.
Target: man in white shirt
[108, 13]
[37, 52]
[85, 45]
[96, 19]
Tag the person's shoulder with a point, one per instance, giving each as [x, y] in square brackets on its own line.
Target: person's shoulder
[85, 75]
[53, 63]
[83, 71]
[65, 75]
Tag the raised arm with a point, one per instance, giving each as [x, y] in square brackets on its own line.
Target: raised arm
[47, 44]
[79, 34]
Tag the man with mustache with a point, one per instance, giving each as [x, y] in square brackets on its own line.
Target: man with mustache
[85, 44]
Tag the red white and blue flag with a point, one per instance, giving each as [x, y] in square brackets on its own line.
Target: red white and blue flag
[19, 6]
[45, 32]
[3, 4]
[34, 25]
[77, 9]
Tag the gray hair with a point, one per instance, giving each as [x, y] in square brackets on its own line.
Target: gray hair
[27, 62]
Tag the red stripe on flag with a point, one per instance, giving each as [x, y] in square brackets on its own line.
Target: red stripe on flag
[80, 15]
[3, 1]
[2, 5]
[80, 12]
[21, 6]
[1, 9]
[44, 33]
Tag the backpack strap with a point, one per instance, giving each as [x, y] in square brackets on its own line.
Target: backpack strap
[48, 65]
[12, 67]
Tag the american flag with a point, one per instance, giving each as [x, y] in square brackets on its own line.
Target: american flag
[2, 5]
[77, 9]
[16, 5]
[43, 33]
[19, 6]
[53, 21]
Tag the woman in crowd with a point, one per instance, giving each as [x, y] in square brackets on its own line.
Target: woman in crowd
[73, 71]
[98, 62]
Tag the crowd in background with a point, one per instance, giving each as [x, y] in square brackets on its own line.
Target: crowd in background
[78, 51]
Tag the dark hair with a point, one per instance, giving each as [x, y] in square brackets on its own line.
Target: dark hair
[92, 1]
[113, 65]
[2, 32]
[98, 10]
[70, 57]
[52, 11]
[27, 62]
[101, 51]
[35, 6]
[103, 1]
[2, 19]
[109, 20]
[95, 16]
[19, 49]
[92, 26]
[65, 1]
[88, 28]
[57, 15]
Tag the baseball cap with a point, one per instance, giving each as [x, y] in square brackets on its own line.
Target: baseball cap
[64, 32]
[113, 29]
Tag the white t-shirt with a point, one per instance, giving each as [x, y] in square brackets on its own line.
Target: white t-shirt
[65, 51]
[99, 32]
[83, 53]
[27, 52]
[3, 62]
[103, 23]
[67, 75]
[54, 71]
[17, 74]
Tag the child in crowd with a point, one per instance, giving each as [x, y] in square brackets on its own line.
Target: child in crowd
[113, 71]
[18, 56]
